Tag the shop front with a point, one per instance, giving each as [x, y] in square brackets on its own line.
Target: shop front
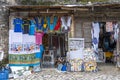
[38, 35]
[54, 36]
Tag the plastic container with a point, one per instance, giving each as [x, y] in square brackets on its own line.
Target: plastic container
[4, 74]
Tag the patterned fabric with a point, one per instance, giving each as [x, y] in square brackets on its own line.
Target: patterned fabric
[90, 66]
[23, 59]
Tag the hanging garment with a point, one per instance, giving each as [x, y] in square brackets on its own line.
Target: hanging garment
[36, 21]
[116, 31]
[57, 27]
[32, 28]
[51, 25]
[48, 22]
[41, 22]
[69, 23]
[109, 42]
[55, 20]
[66, 22]
[17, 25]
[44, 27]
[109, 26]
[95, 35]
[40, 53]
[26, 25]
[39, 36]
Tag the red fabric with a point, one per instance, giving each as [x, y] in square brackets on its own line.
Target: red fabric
[57, 25]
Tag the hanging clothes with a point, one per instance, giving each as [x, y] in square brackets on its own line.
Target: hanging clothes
[109, 26]
[36, 21]
[52, 24]
[26, 25]
[45, 25]
[58, 25]
[116, 31]
[32, 27]
[69, 22]
[66, 22]
[95, 35]
[17, 25]
[38, 36]
[40, 24]
[109, 42]
[55, 21]
[64, 26]
[48, 21]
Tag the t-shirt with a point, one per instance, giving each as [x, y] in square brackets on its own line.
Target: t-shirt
[40, 25]
[58, 25]
[32, 28]
[17, 25]
[26, 24]
[38, 38]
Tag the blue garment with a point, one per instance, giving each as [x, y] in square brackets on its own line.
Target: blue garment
[41, 51]
[51, 26]
[32, 28]
[17, 25]
[40, 25]
[48, 21]
[36, 20]
[55, 21]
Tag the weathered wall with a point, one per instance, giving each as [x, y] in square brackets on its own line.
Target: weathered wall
[4, 31]
[83, 30]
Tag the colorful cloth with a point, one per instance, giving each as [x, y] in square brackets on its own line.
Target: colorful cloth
[40, 24]
[58, 25]
[32, 28]
[23, 59]
[109, 26]
[39, 36]
[17, 25]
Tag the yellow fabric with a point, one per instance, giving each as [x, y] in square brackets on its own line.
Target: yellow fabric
[108, 54]
[44, 25]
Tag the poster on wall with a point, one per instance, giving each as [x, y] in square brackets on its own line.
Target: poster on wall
[76, 43]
